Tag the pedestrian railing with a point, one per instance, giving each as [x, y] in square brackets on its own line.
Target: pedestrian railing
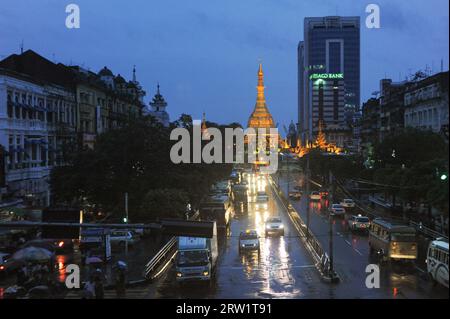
[427, 231]
[168, 249]
[315, 247]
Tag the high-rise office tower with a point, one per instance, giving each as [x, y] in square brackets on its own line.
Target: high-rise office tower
[328, 74]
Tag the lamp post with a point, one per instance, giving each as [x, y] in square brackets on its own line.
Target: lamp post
[126, 222]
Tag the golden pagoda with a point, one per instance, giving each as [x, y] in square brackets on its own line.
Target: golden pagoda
[204, 128]
[260, 117]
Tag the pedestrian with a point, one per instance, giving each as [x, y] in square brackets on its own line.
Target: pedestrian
[98, 282]
[120, 282]
[22, 276]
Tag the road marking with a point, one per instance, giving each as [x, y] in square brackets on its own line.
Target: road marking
[263, 268]
[358, 251]
[420, 269]
[348, 242]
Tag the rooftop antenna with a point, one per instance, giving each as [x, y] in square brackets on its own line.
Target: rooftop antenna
[21, 47]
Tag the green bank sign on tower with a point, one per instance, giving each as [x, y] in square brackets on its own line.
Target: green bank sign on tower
[326, 76]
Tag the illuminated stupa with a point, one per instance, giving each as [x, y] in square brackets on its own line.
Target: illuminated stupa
[260, 117]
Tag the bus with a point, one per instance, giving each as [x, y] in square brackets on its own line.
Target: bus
[392, 240]
[217, 208]
[437, 261]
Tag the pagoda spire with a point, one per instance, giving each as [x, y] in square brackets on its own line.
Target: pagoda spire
[204, 128]
[260, 99]
[261, 117]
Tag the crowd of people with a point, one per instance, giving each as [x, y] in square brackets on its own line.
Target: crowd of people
[31, 275]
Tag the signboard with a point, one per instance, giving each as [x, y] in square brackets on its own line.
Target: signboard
[191, 243]
[61, 215]
[326, 76]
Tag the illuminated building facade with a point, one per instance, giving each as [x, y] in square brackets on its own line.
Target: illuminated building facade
[328, 74]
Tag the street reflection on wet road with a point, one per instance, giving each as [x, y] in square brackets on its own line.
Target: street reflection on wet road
[281, 269]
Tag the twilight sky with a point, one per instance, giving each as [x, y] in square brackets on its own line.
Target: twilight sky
[205, 53]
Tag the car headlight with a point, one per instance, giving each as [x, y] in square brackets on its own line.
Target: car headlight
[205, 273]
[179, 274]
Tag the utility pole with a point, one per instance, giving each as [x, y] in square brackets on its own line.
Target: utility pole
[126, 221]
[288, 176]
[307, 197]
[333, 190]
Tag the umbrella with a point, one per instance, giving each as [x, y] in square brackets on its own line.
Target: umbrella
[41, 243]
[121, 265]
[32, 254]
[93, 260]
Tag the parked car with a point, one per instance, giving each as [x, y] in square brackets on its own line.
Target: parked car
[315, 196]
[348, 203]
[274, 225]
[359, 223]
[337, 210]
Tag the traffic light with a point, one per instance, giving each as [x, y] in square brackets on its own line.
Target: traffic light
[125, 220]
[444, 177]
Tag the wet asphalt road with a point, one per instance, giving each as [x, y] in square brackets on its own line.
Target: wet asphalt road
[284, 269]
[351, 255]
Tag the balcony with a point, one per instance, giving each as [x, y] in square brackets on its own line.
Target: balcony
[30, 125]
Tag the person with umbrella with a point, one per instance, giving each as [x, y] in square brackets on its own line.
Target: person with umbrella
[121, 268]
[98, 284]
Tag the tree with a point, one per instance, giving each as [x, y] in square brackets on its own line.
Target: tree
[162, 203]
[134, 159]
[408, 164]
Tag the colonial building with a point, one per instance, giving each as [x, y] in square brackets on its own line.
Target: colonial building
[104, 102]
[426, 104]
[37, 129]
[45, 109]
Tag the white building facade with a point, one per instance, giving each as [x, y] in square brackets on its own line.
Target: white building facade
[37, 121]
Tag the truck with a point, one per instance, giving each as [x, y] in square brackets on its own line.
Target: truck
[197, 257]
